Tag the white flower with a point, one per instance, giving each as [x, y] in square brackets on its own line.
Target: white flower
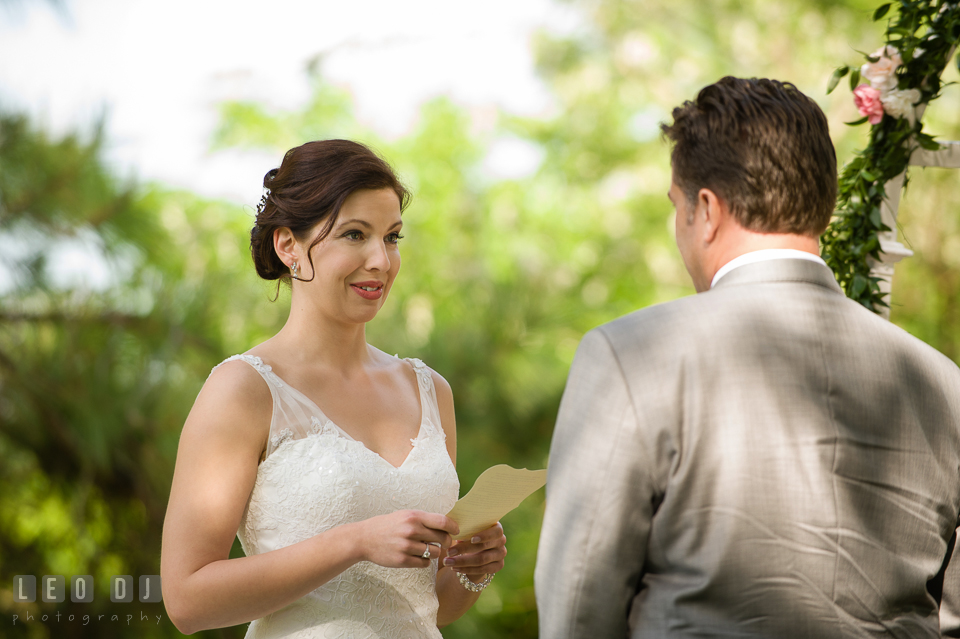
[882, 73]
[918, 52]
[898, 103]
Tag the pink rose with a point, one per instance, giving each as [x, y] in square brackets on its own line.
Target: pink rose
[882, 74]
[868, 103]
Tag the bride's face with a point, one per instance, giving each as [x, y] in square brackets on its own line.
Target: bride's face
[357, 262]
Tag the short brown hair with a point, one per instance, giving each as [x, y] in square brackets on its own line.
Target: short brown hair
[310, 186]
[764, 148]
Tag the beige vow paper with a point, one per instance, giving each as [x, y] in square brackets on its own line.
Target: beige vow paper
[498, 490]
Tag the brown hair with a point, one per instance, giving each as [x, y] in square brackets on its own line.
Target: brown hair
[764, 148]
[310, 186]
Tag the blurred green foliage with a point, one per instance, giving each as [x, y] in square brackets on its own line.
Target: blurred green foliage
[500, 279]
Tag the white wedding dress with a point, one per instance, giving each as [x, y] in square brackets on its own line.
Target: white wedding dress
[316, 477]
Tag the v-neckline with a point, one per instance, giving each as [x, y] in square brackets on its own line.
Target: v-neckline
[347, 436]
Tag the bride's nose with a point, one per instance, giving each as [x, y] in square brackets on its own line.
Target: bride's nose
[377, 257]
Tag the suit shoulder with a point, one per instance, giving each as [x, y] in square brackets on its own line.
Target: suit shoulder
[659, 319]
[918, 348]
[886, 333]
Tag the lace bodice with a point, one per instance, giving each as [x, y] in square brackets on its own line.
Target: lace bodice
[316, 477]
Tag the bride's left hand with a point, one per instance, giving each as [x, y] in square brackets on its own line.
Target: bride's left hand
[482, 555]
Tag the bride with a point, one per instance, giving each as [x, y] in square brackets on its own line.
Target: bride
[329, 459]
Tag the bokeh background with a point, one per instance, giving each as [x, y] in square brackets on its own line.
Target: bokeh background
[133, 141]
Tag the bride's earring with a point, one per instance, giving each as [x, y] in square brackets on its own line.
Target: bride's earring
[293, 270]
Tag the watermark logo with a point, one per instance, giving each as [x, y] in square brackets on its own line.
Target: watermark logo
[53, 589]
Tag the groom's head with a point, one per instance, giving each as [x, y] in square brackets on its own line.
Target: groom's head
[759, 150]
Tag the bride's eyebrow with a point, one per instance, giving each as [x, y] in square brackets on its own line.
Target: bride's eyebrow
[355, 221]
[366, 224]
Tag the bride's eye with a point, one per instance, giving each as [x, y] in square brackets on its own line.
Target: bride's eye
[353, 235]
[394, 238]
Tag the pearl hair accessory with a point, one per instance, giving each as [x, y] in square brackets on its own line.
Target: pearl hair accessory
[263, 202]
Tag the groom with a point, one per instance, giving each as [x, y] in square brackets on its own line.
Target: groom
[764, 459]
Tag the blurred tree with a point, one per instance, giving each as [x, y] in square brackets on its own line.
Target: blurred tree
[98, 367]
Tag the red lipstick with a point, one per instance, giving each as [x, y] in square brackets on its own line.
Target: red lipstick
[372, 290]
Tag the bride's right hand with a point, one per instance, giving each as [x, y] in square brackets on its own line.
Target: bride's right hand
[398, 540]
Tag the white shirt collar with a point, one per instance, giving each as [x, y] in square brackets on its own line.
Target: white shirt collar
[763, 256]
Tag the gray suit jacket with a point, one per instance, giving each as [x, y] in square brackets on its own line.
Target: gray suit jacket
[766, 459]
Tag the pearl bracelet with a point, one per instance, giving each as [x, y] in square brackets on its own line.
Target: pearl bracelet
[475, 587]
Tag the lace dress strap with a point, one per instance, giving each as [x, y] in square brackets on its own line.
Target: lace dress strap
[281, 403]
[265, 371]
[423, 371]
[428, 393]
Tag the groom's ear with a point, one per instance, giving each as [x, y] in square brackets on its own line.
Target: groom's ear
[714, 213]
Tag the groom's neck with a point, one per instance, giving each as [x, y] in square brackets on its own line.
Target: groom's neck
[735, 241]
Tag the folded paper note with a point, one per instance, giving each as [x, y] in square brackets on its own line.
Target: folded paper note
[498, 490]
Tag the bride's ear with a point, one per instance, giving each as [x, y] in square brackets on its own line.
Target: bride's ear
[286, 246]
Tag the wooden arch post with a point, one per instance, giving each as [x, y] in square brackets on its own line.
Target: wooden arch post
[893, 251]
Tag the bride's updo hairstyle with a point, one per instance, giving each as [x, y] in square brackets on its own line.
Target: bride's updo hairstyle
[310, 186]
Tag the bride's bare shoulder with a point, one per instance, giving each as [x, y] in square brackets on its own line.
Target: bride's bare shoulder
[235, 402]
[236, 381]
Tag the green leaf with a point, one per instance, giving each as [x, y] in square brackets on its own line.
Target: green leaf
[859, 286]
[881, 11]
[927, 142]
[878, 301]
[835, 78]
[875, 217]
[854, 79]
[856, 122]
[868, 176]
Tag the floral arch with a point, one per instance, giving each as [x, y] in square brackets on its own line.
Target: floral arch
[891, 90]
